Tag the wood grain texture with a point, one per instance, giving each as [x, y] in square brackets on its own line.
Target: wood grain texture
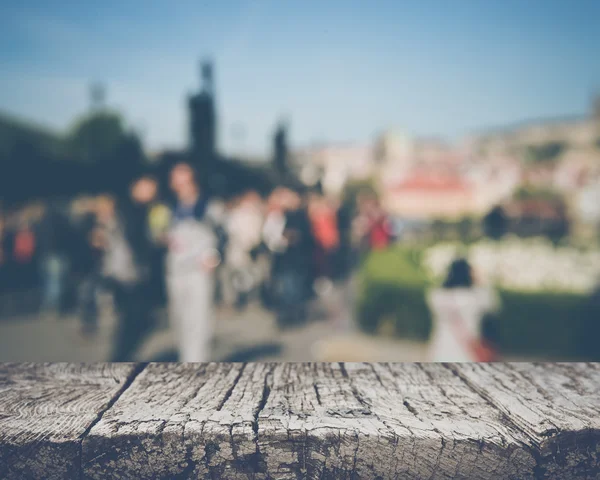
[290, 421]
[556, 405]
[309, 420]
[46, 409]
[384, 421]
[180, 421]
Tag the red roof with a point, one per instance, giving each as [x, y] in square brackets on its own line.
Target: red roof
[432, 183]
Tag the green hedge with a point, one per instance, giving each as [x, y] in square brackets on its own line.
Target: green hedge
[548, 324]
[545, 324]
[393, 286]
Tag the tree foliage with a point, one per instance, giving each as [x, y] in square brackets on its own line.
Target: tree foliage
[546, 194]
[98, 136]
[98, 154]
[354, 188]
[547, 152]
[100, 140]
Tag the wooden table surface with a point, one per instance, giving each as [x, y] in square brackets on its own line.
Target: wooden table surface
[291, 421]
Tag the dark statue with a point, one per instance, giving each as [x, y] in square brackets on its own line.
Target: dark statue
[280, 154]
[203, 123]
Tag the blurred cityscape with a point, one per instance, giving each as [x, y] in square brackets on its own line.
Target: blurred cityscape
[395, 224]
[542, 171]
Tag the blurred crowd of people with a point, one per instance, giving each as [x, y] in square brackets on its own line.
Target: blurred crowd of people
[188, 254]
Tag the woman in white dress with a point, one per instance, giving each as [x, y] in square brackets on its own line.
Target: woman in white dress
[458, 308]
[191, 261]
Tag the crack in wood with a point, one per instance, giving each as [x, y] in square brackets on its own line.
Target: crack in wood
[261, 422]
[533, 447]
[230, 390]
[410, 408]
[353, 388]
[316, 387]
[138, 368]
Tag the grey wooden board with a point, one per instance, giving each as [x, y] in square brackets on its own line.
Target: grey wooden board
[385, 421]
[45, 409]
[191, 420]
[556, 405]
[323, 420]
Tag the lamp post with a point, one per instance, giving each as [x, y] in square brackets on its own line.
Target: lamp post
[97, 96]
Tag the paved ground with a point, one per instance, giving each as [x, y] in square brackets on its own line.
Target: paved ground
[248, 336]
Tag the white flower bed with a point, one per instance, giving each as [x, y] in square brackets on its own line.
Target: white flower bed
[513, 263]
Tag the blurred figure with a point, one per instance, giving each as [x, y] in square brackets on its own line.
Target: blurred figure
[345, 257]
[191, 261]
[459, 309]
[53, 241]
[292, 271]
[160, 218]
[4, 259]
[218, 212]
[8, 261]
[2, 235]
[380, 229]
[336, 298]
[122, 236]
[87, 261]
[23, 253]
[156, 218]
[272, 235]
[274, 224]
[244, 229]
[325, 231]
[361, 225]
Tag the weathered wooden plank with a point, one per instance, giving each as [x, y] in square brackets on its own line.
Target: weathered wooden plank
[45, 410]
[557, 405]
[316, 421]
[306, 421]
[181, 421]
[402, 421]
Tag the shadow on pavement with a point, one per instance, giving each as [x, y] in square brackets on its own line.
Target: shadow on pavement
[248, 354]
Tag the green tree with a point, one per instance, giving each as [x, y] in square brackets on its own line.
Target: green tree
[547, 152]
[96, 137]
[100, 140]
[465, 229]
[355, 188]
[438, 229]
[539, 193]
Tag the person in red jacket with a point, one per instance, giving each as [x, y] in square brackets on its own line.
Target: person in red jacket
[325, 230]
[380, 234]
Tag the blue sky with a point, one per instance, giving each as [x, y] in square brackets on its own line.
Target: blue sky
[341, 70]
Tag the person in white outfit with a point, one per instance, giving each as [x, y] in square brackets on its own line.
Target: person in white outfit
[458, 309]
[191, 260]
